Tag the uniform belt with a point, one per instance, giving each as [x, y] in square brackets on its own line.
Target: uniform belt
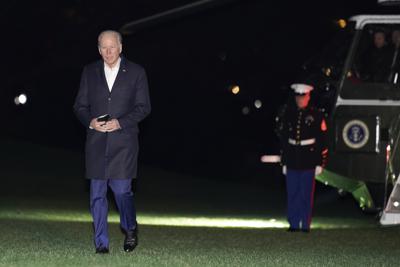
[305, 142]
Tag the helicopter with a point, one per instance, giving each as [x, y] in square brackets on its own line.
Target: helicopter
[362, 110]
[364, 114]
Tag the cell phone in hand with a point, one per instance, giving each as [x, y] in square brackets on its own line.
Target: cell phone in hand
[104, 118]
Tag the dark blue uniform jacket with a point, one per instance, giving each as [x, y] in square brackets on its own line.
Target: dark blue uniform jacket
[296, 126]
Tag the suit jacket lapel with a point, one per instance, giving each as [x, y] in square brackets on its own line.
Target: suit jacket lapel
[121, 74]
[102, 75]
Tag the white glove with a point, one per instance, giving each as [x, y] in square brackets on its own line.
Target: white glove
[284, 170]
[318, 170]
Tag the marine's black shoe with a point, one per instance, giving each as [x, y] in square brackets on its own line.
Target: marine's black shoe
[305, 230]
[131, 240]
[102, 250]
[292, 230]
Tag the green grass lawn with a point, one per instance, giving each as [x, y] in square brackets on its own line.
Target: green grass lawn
[184, 221]
[35, 234]
[41, 243]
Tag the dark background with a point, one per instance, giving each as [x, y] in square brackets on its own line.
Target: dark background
[197, 125]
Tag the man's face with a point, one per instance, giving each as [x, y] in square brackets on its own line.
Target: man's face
[302, 100]
[109, 49]
[379, 39]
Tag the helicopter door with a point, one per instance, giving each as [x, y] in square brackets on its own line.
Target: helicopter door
[370, 96]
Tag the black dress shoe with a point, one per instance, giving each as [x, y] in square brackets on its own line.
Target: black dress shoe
[292, 230]
[305, 230]
[131, 240]
[102, 250]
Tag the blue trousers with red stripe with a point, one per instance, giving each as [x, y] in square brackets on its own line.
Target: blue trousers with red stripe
[99, 207]
[300, 197]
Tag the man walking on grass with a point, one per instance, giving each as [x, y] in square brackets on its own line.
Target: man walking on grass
[113, 98]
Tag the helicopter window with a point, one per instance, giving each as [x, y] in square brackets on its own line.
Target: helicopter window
[376, 60]
[375, 68]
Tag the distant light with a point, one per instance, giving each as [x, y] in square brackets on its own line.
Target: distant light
[235, 89]
[328, 72]
[21, 99]
[245, 110]
[258, 103]
[342, 23]
[396, 204]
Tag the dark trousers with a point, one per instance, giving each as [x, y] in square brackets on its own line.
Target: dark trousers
[300, 197]
[99, 207]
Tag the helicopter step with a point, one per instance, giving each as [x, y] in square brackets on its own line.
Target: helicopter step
[391, 214]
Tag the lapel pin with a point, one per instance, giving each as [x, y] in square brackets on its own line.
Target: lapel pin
[124, 70]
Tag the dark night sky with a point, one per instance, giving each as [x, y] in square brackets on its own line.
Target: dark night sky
[196, 124]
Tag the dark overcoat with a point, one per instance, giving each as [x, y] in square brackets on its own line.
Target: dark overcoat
[113, 155]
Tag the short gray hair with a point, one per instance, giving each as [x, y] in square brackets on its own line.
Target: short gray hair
[111, 32]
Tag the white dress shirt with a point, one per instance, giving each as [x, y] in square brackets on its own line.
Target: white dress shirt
[111, 73]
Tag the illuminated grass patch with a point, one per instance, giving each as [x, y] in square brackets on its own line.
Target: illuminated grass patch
[179, 220]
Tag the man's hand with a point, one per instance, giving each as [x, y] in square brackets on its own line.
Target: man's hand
[112, 125]
[98, 126]
[318, 170]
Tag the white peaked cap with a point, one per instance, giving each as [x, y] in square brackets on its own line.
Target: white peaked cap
[301, 88]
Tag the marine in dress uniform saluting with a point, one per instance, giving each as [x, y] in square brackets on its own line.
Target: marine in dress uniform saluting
[302, 131]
